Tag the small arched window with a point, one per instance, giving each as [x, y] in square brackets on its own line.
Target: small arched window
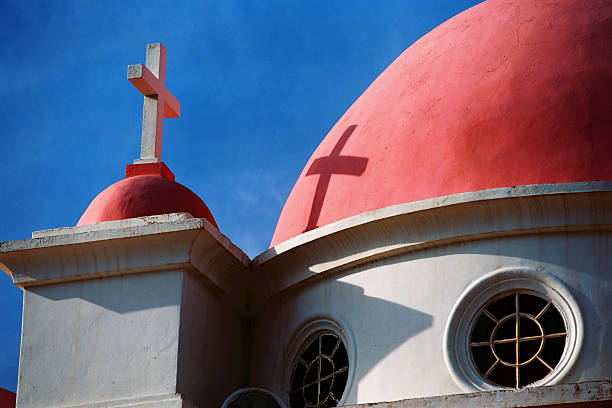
[320, 373]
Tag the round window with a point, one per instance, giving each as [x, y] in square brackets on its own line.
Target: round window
[320, 373]
[517, 339]
[513, 328]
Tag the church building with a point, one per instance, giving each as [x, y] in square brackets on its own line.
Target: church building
[448, 244]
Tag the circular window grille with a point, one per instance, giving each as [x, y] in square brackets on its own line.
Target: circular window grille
[512, 328]
[517, 339]
[320, 374]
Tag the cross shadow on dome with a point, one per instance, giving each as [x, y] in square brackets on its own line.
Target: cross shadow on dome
[333, 164]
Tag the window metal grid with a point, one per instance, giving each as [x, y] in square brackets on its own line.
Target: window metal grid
[320, 374]
[511, 343]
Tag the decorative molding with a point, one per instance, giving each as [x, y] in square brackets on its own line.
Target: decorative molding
[405, 228]
[156, 401]
[431, 203]
[586, 394]
[137, 245]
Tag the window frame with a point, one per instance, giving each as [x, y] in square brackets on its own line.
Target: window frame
[302, 338]
[466, 310]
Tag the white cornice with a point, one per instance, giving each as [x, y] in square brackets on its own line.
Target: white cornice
[429, 223]
[428, 204]
[138, 245]
[178, 241]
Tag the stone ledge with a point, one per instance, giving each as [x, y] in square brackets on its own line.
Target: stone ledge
[586, 394]
[115, 225]
[157, 401]
[133, 246]
[430, 204]
[406, 228]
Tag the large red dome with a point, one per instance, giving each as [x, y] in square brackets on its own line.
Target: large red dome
[510, 92]
[144, 195]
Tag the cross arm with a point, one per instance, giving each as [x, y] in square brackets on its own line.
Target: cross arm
[172, 107]
[149, 85]
[143, 79]
[159, 103]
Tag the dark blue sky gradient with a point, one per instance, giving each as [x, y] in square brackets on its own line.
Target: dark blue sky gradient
[260, 84]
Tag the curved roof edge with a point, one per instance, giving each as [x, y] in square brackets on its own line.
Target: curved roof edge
[428, 204]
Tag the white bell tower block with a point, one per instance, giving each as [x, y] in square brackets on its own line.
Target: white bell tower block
[143, 312]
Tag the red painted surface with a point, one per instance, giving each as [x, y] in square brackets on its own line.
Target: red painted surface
[152, 169]
[510, 92]
[7, 398]
[144, 195]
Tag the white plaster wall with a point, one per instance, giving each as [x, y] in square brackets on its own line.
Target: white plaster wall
[212, 356]
[130, 313]
[100, 340]
[396, 311]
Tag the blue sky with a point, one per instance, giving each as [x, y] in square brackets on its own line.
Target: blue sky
[260, 84]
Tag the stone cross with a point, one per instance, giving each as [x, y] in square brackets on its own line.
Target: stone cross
[150, 79]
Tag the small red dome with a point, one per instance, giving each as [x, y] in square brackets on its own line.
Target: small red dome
[509, 92]
[140, 196]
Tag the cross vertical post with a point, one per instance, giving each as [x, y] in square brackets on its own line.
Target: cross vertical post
[159, 103]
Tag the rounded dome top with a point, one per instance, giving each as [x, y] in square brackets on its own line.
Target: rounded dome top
[509, 92]
[144, 195]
